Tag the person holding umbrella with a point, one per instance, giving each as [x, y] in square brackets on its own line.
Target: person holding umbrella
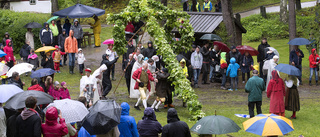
[51, 128]
[47, 61]
[292, 102]
[314, 66]
[29, 37]
[296, 56]
[96, 31]
[46, 36]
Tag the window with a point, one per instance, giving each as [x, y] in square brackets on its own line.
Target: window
[32, 2]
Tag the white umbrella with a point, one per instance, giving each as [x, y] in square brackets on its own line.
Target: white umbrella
[71, 110]
[274, 51]
[3, 69]
[20, 68]
[7, 91]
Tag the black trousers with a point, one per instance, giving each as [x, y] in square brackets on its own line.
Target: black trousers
[260, 69]
[205, 72]
[81, 67]
[244, 76]
[251, 108]
[79, 43]
[168, 99]
[128, 84]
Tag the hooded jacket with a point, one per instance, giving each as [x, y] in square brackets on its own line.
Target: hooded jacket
[34, 60]
[47, 64]
[28, 124]
[64, 93]
[233, 68]
[276, 92]
[175, 127]
[78, 33]
[261, 50]
[127, 126]
[248, 61]
[313, 59]
[5, 39]
[130, 50]
[54, 29]
[149, 52]
[196, 60]
[36, 87]
[25, 51]
[236, 55]
[9, 51]
[149, 126]
[61, 39]
[52, 128]
[71, 44]
[46, 36]
[15, 82]
[96, 27]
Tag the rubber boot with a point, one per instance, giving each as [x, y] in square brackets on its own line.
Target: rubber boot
[317, 83]
[70, 68]
[310, 83]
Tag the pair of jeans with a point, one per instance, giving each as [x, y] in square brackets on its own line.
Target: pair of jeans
[311, 74]
[196, 73]
[212, 73]
[244, 76]
[224, 79]
[205, 69]
[251, 108]
[71, 59]
[300, 68]
[234, 83]
[81, 67]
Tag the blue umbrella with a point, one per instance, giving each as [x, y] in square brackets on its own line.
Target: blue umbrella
[79, 11]
[2, 53]
[288, 69]
[42, 73]
[299, 41]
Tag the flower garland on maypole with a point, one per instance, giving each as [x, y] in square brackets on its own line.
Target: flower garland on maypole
[153, 12]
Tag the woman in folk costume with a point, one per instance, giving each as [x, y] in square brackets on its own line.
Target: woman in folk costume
[88, 86]
[138, 64]
[98, 75]
[276, 92]
[292, 102]
[269, 65]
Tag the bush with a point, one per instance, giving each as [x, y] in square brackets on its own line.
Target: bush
[13, 23]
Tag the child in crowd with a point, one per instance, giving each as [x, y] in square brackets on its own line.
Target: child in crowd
[55, 92]
[64, 92]
[56, 55]
[33, 59]
[223, 70]
[48, 85]
[184, 67]
[233, 71]
[81, 59]
[25, 51]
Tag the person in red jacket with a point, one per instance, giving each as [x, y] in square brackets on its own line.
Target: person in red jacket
[276, 92]
[143, 76]
[35, 85]
[129, 27]
[52, 128]
[313, 63]
[56, 55]
[9, 58]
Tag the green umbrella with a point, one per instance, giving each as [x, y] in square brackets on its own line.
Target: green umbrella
[52, 18]
[212, 37]
[215, 124]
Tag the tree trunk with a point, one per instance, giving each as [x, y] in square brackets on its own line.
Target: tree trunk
[228, 20]
[194, 6]
[298, 4]
[55, 6]
[164, 2]
[292, 21]
[283, 11]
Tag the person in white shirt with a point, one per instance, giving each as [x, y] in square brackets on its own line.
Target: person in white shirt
[81, 59]
[112, 56]
[29, 37]
[196, 63]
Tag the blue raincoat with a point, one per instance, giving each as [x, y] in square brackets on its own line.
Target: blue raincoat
[233, 68]
[127, 126]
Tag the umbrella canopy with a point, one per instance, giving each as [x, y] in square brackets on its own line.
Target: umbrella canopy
[212, 37]
[180, 57]
[33, 25]
[45, 48]
[288, 69]
[18, 100]
[3, 69]
[71, 110]
[42, 73]
[215, 125]
[52, 18]
[130, 34]
[299, 41]
[183, 1]
[108, 41]
[102, 117]
[222, 47]
[79, 11]
[243, 49]
[268, 125]
[7, 91]
[2, 53]
[274, 51]
[20, 68]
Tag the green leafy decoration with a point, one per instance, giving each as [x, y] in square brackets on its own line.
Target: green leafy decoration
[153, 12]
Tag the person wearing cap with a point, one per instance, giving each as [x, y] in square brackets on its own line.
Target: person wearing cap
[106, 82]
[47, 61]
[81, 59]
[56, 55]
[61, 40]
[270, 66]
[150, 51]
[88, 86]
[71, 47]
[234, 53]
[112, 55]
[29, 37]
[96, 30]
[175, 127]
[261, 56]
[255, 86]
[196, 62]
[162, 89]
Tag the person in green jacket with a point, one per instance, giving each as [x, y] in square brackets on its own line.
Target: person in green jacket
[255, 86]
[55, 32]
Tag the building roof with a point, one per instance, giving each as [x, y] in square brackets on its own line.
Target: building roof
[207, 22]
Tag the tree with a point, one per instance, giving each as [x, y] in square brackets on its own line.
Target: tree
[298, 4]
[292, 21]
[283, 11]
[228, 20]
[55, 5]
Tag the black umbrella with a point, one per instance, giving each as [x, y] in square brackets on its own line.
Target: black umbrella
[130, 34]
[18, 100]
[79, 11]
[103, 116]
[33, 25]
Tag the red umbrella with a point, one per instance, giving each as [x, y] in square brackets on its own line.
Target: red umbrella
[243, 49]
[223, 47]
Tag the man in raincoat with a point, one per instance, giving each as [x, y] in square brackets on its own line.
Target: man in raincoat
[96, 31]
[78, 33]
[46, 37]
[71, 47]
[127, 126]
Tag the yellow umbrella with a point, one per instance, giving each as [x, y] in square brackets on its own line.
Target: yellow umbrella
[45, 49]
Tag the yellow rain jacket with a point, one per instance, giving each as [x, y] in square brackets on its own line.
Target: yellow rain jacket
[185, 69]
[96, 31]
